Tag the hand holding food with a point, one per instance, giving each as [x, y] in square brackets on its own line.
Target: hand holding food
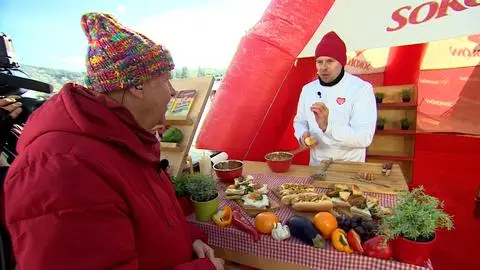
[308, 140]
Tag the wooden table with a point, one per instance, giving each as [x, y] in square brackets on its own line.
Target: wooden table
[295, 171]
[341, 172]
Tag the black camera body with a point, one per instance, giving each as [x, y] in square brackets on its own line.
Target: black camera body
[15, 82]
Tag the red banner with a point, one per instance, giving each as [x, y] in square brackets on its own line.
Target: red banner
[449, 100]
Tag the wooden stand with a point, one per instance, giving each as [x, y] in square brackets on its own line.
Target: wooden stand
[176, 154]
[392, 144]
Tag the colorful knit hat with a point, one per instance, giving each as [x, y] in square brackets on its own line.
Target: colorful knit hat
[333, 46]
[119, 58]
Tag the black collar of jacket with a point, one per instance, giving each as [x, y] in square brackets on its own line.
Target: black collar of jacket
[334, 82]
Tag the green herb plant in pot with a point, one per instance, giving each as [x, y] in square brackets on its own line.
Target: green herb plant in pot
[182, 194]
[404, 124]
[413, 224]
[406, 95]
[379, 97]
[204, 196]
[381, 123]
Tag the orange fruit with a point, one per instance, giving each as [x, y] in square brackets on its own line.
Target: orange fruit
[326, 223]
[265, 221]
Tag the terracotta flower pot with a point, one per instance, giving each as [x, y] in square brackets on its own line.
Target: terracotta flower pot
[412, 252]
[186, 205]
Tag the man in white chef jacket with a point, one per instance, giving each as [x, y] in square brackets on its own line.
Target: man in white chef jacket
[337, 109]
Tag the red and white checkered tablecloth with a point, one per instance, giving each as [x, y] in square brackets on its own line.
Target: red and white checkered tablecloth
[292, 250]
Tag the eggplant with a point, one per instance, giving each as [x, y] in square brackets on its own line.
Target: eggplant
[303, 229]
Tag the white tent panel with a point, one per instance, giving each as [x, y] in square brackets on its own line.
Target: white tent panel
[378, 23]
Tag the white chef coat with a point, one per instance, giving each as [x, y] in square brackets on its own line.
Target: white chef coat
[351, 120]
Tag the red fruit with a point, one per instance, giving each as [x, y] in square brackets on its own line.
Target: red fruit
[377, 247]
[354, 241]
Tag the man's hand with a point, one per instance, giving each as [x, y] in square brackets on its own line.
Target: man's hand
[321, 113]
[202, 250]
[11, 105]
[311, 143]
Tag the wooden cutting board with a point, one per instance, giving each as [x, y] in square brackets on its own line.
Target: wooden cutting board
[340, 172]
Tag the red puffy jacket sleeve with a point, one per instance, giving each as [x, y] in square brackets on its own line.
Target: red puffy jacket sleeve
[58, 224]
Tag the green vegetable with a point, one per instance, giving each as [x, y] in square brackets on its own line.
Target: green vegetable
[173, 135]
[416, 216]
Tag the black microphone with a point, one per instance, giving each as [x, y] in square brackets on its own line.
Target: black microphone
[319, 94]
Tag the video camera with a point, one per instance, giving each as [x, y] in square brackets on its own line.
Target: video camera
[13, 81]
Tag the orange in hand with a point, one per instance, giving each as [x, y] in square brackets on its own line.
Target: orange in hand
[265, 221]
[326, 223]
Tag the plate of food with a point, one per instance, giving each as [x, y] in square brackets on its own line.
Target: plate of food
[252, 197]
[341, 200]
[349, 200]
[303, 198]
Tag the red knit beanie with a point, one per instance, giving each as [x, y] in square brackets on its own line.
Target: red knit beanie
[332, 46]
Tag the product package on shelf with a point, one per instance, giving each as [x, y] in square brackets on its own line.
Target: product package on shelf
[180, 105]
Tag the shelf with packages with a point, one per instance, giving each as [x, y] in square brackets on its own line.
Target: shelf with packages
[394, 143]
[184, 113]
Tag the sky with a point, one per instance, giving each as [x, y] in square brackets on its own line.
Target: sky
[199, 33]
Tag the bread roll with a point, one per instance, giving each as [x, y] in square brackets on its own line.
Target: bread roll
[318, 206]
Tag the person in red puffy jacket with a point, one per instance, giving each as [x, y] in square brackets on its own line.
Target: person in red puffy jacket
[85, 191]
